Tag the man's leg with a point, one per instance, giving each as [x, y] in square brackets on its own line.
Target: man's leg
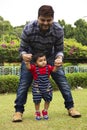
[24, 83]
[61, 81]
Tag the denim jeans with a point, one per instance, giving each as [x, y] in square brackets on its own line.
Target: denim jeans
[26, 80]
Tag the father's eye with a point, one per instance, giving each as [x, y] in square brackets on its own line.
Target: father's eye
[45, 20]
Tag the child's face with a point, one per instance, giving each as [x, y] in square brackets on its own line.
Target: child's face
[41, 61]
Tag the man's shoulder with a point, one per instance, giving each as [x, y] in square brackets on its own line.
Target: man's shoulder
[57, 28]
[32, 23]
[31, 26]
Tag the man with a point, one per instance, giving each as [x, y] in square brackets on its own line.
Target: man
[46, 36]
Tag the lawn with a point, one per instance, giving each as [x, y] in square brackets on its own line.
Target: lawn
[58, 117]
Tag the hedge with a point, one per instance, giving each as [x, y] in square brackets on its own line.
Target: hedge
[9, 83]
[9, 52]
[77, 79]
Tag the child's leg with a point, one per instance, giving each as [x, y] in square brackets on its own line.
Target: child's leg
[37, 99]
[46, 105]
[37, 113]
[47, 98]
[37, 107]
[45, 110]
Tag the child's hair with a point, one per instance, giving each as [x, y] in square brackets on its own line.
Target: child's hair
[36, 56]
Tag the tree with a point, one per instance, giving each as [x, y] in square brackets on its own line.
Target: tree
[62, 23]
[81, 31]
[18, 31]
[5, 29]
[69, 31]
[1, 18]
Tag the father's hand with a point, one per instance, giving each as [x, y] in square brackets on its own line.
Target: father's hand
[58, 61]
[27, 57]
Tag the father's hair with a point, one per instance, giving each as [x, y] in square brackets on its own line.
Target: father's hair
[46, 10]
[36, 56]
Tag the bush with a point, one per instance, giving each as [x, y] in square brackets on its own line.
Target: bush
[9, 83]
[73, 49]
[67, 64]
[54, 85]
[77, 79]
[9, 52]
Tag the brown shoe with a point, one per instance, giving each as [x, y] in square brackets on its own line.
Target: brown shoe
[17, 117]
[73, 113]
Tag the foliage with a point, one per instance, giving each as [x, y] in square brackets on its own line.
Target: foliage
[69, 31]
[9, 52]
[8, 32]
[73, 49]
[5, 30]
[81, 31]
[9, 83]
[78, 31]
[67, 64]
[18, 30]
[10, 39]
[77, 79]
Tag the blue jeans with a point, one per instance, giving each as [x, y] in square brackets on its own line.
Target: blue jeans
[26, 80]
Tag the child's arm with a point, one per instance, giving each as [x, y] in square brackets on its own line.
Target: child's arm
[57, 63]
[28, 65]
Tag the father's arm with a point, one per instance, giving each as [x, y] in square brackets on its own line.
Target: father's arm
[25, 49]
[59, 45]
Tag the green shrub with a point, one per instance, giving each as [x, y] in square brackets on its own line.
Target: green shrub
[77, 79]
[73, 49]
[54, 85]
[67, 64]
[9, 83]
[9, 52]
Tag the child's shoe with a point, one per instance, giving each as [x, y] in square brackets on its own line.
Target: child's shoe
[38, 115]
[45, 114]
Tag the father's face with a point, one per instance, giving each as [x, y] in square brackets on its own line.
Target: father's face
[45, 22]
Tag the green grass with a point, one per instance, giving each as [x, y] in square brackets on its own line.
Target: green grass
[58, 117]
